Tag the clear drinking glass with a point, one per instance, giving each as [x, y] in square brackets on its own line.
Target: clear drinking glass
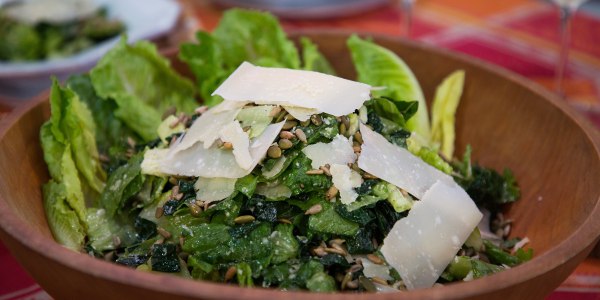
[567, 9]
[406, 7]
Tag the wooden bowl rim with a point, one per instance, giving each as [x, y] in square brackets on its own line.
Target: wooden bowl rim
[584, 237]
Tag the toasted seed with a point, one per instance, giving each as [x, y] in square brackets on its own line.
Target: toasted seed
[244, 219]
[315, 209]
[507, 229]
[355, 268]
[356, 149]
[274, 152]
[230, 273]
[227, 145]
[358, 137]
[286, 135]
[163, 232]
[195, 209]
[325, 169]
[285, 221]
[375, 243]
[116, 241]
[200, 110]
[178, 196]
[275, 111]
[314, 172]
[246, 129]
[367, 284]
[289, 124]
[289, 117]
[336, 241]
[379, 280]
[301, 135]
[347, 278]
[319, 251]
[369, 176]
[336, 251]
[174, 123]
[199, 203]
[352, 284]
[375, 259]
[181, 241]
[339, 248]
[305, 123]
[331, 192]
[285, 144]
[159, 241]
[343, 129]
[316, 120]
[175, 191]
[159, 212]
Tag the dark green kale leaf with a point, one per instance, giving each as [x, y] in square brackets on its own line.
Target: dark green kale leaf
[122, 184]
[296, 179]
[164, 258]
[328, 221]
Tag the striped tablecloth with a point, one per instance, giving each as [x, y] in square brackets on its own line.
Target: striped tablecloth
[520, 35]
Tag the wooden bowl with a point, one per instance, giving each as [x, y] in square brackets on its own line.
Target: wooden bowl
[509, 122]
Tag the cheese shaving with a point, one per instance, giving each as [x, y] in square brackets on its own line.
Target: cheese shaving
[298, 88]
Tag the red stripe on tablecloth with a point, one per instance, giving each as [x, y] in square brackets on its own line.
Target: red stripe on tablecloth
[12, 275]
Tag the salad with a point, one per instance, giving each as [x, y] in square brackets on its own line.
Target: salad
[286, 177]
[44, 29]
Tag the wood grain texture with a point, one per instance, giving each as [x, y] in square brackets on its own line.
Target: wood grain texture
[508, 121]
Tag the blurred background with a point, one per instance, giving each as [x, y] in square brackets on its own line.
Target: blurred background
[63, 37]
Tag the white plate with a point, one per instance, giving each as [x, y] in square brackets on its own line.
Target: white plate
[144, 20]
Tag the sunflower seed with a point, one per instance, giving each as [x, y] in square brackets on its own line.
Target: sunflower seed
[289, 124]
[244, 219]
[230, 273]
[314, 172]
[285, 144]
[286, 135]
[316, 120]
[301, 135]
[163, 232]
[315, 209]
[331, 192]
[274, 152]
[375, 259]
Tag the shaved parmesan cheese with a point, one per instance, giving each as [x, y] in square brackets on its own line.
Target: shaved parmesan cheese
[214, 189]
[345, 180]
[300, 113]
[308, 89]
[371, 269]
[212, 162]
[228, 105]
[339, 151]
[234, 134]
[397, 165]
[421, 245]
[205, 129]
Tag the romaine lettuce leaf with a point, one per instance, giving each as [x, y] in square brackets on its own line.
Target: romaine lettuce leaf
[379, 66]
[242, 35]
[143, 85]
[111, 132]
[71, 122]
[312, 59]
[443, 111]
[63, 221]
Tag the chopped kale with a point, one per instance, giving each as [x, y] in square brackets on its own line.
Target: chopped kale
[164, 258]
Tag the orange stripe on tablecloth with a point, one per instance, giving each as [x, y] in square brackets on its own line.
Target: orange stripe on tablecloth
[478, 8]
[457, 17]
[586, 277]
